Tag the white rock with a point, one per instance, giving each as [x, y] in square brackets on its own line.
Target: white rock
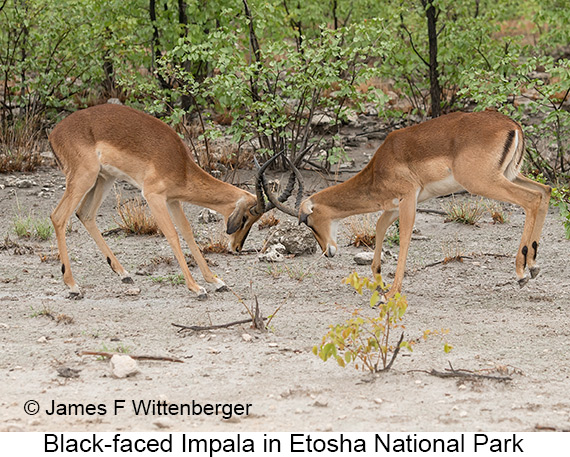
[163, 422]
[133, 292]
[123, 366]
[246, 337]
[364, 258]
[274, 253]
[207, 216]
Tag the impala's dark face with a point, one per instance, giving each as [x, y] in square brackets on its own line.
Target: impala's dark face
[240, 221]
[324, 228]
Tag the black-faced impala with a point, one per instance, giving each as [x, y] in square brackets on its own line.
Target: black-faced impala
[98, 145]
[479, 152]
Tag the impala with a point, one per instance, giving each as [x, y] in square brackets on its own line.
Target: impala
[98, 145]
[479, 152]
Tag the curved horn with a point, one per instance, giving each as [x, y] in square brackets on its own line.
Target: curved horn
[260, 207]
[277, 202]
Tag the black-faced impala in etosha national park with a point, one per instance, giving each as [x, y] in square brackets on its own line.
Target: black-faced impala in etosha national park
[480, 152]
[98, 145]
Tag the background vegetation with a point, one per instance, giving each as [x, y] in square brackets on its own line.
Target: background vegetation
[285, 74]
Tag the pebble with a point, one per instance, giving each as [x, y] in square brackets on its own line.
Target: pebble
[163, 422]
[133, 291]
[123, 366]
[364, 258]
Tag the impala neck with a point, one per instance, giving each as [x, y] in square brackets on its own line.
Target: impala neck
[205, 190]
[350, 197]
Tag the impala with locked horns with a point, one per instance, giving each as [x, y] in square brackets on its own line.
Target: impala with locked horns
[481, 152]
[98, 145]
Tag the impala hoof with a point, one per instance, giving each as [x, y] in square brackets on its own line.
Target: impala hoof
[534, 271]
[522, 282]
[222, 288]
[127, 280]
[202, 294]
[75, 295]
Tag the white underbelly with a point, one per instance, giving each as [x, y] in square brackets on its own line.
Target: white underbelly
[439, 188]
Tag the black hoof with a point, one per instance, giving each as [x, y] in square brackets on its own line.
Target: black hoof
[222, 288]
[75, 296]
[202, 294]
[534, 271]
[522, 282]
[127, 280]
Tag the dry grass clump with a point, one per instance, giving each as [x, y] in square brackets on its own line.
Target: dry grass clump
[217, 242]
[135, 217]
[362, 231]
[19, 144]
[465, 212]
[497, 212]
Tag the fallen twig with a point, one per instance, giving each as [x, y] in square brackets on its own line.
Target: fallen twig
[453, 373]
[198, 328]
[431, 211]
[136, 357]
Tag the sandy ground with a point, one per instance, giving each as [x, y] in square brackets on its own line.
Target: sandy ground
[493, 326]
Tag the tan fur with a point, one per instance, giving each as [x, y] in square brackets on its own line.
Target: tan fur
[450, 153]
[97, 145]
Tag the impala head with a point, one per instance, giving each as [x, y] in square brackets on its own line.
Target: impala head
[246, 213]
[249, 208]
[324, 228]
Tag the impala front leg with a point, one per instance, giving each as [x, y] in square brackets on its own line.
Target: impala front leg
[407, 219]
[386, 219]
[158, 207]
[186, 230]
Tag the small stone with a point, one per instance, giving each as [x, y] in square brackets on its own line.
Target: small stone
[66, 372]
[246, 337]
[133, 292]
[162, 423]
[273, 254]
[463, 414]
[24, 183]
[207, 216]
[364, 258]
[123, 366]
[42, 339]
[319, 403]
[378, 401]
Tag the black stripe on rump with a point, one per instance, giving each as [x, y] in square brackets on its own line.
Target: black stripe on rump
[507, 147]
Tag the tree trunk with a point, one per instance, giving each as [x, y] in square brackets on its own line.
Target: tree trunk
[435, 89]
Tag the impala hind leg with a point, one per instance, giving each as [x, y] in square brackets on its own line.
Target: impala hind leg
[186, 229]
[87, 213]
[386, 219]
[159, 209]
[530, 199]
[407, 212]
[545, 192]
[75, 189]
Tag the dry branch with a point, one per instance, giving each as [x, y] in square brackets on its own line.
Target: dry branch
[136, 357]
[198, 328]
[453, 373]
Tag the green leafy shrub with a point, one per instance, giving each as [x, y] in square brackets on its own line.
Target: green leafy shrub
[367, 341]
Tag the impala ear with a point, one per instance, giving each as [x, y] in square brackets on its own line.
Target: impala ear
[236, 220]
